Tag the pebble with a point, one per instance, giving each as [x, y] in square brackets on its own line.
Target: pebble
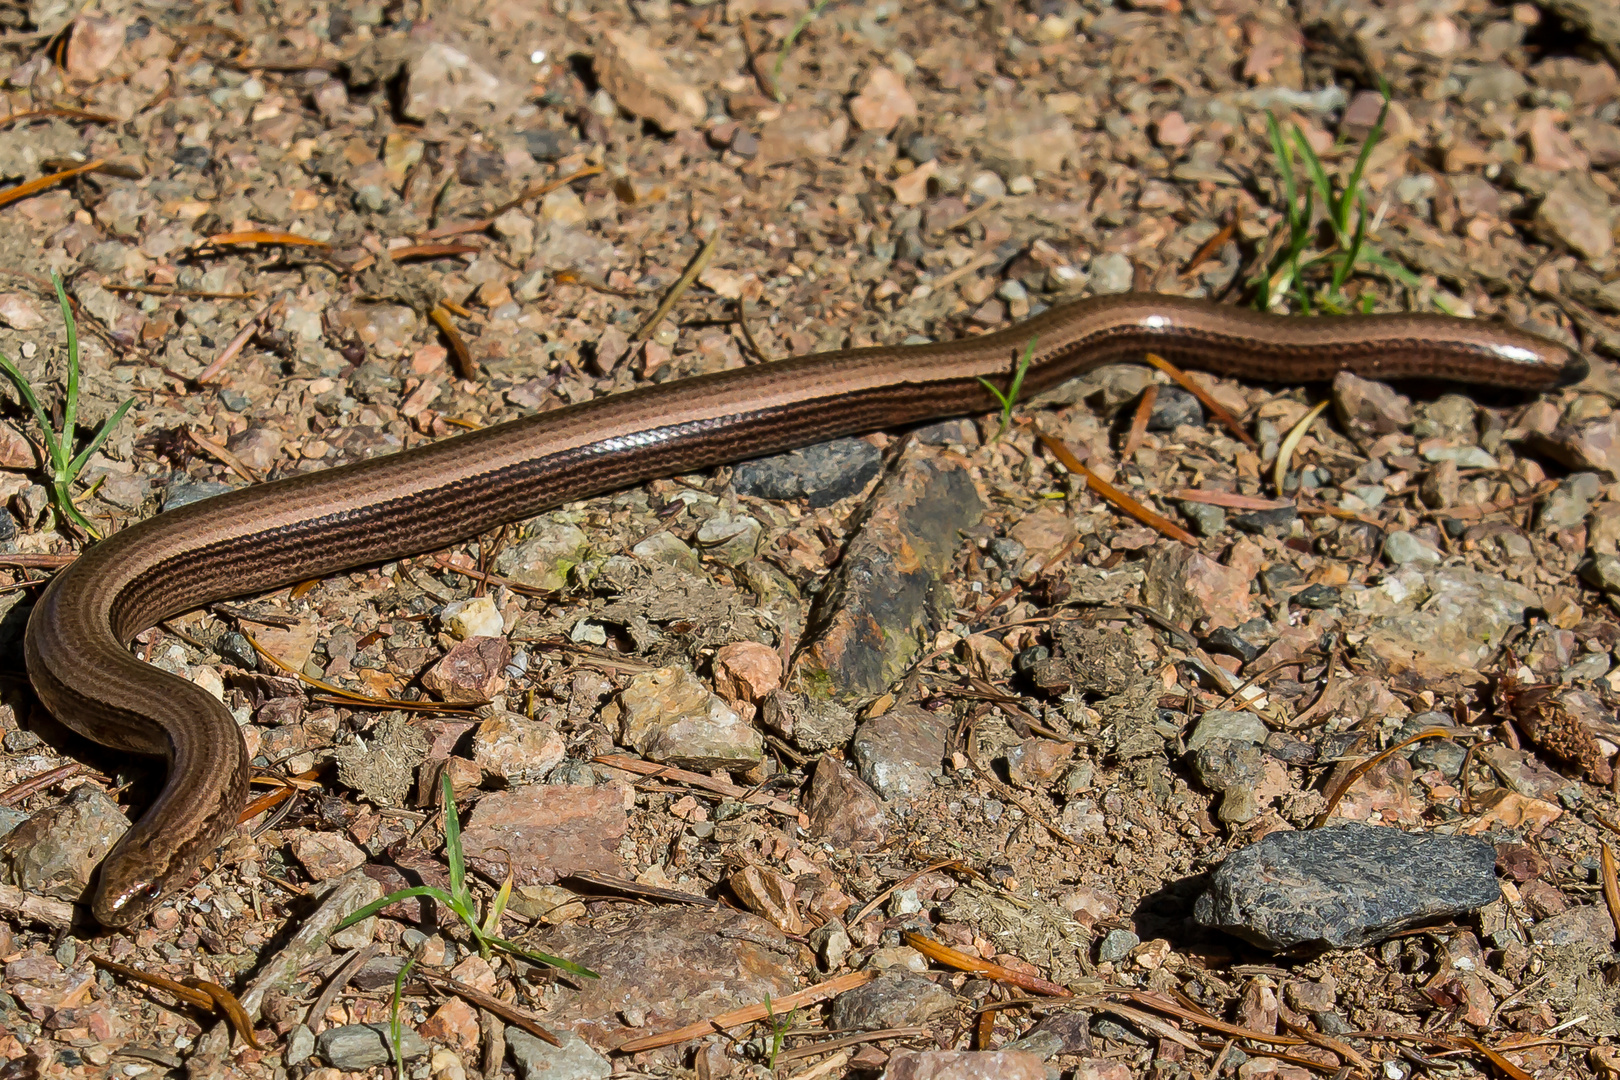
[1402, 547]
[1206, 519]
[360, 1046]
[478, 617]
[1110, 272]
[1116, 945]
[670, 716]
[820, 474]
[896, 998]
[1173, 407]
[1569, 503]
[537, 1059]
[55, 852]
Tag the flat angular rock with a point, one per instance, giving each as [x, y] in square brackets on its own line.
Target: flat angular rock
[893, 999]
[543, 832]
[360, 1046]
[668, 967]
[820, 474]
[965, 1065]
[56, 851]
[671, 716]
[902, 752]
[537, 1059]
[863, 631]
[1344, 886]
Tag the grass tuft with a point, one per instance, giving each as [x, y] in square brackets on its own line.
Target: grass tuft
[1010, 398]
[1312, 269]
[62, 465]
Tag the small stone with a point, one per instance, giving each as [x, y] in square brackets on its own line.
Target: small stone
[56, 851]
[537, 1059]
[965, 1065]
[17, 311]
[730, 538]
[1345, 886]
[512, 749]
[1589, 927]
[901, 753]
[1188, 585]
[1576, 215]
[300, 1046]
[1402, 547]
[1116, 945]
[1569, 502]
[641, 82]
[182, 492]
[1371, 407]
[360, 1046]
[1173, 407]
[883, 101]
[820, 474]
[544, 831]
[1033, 762]
[670, 716]
[546, 560]
[478, 617]
[843, 811]
[1228, 724]
[326, 855]
[472, 671]
[895, 998]
[1111, 272]
[745, 672]
[1603, 572]
[1208, 520]
[454, 1022]
[93, 45]
[1318, 597]
[1172, 130]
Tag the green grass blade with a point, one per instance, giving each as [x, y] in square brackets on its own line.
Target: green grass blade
[100, 437]
[1352, 187]
[1347, 264]
[543, 958]
[393, 898]
[492, 917]
[1285, 169]
[1314, 167]
[1023, 369]
[70, 402]
[1373, 257]
[787, 44]
[452, 844]
[65, 504]
[396, 1031]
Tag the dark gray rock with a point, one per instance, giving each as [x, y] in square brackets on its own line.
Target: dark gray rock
[1208, 520]
[182, 491]
[360, 1046]
[1345, 886]
[893, 999]
[821, 474]
[1172, 407]
[1259, 521]
[1318, 597]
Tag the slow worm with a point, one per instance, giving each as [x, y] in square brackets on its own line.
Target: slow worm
[270, 535]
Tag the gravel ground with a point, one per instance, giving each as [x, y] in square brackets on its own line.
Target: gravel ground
[775, 736]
